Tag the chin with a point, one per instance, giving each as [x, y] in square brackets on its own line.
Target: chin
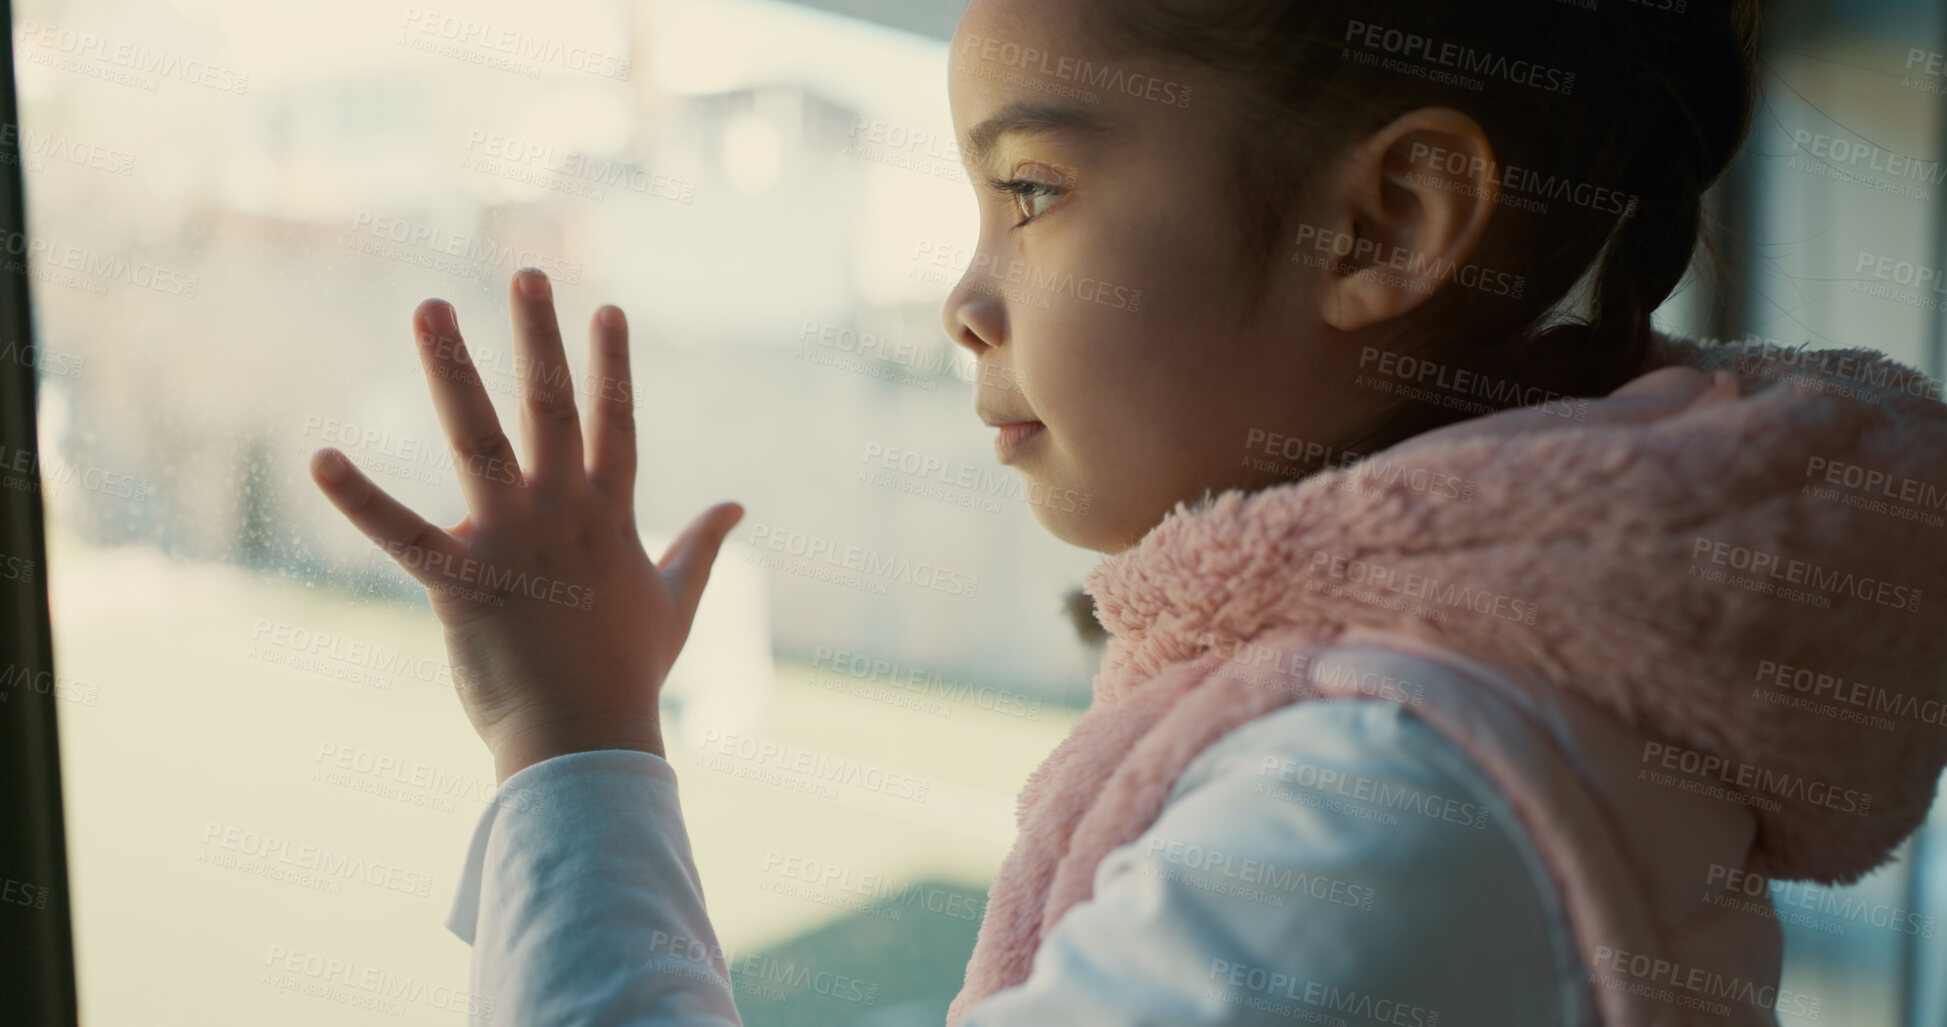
[1088, 528]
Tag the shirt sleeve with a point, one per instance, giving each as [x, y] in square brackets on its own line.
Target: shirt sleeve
[582, 902]
[1335, 862]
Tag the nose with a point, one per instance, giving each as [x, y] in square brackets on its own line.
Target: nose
[974, 317]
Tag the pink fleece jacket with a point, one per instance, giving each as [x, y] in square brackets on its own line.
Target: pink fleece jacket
[1785, 521]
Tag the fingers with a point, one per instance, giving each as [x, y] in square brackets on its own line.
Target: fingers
[490, 475]
[423, 550]
[688, 562]
[549, 423]
[611, 414]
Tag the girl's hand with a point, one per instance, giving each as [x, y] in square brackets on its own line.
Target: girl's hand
[559, 628]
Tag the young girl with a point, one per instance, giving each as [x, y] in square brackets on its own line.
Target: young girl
[1413, 712]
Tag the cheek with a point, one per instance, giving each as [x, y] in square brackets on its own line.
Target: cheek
[1123, 394]
[1139, 297]
[1129, 340]
[1128, 343]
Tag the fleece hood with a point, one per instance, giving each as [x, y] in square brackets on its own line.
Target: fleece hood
[1757, 576]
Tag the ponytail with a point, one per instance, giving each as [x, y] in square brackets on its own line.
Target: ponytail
[1681, 150]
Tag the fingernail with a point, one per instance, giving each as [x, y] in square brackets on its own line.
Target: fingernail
[440, 319]
[329, 465]
[534, 283]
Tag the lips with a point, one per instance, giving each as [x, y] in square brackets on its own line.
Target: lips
[1015, 438]
[1017, 428]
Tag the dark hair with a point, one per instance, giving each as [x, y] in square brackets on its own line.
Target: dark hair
[1659, 104]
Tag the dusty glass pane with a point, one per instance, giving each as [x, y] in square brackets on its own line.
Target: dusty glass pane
[270, 781]
[234, 208]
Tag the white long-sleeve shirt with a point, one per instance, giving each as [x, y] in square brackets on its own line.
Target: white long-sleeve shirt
[1261, 895]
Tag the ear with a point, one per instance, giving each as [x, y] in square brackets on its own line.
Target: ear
[1402, 216]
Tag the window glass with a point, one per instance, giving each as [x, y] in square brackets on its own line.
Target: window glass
[270, 782]
[233, 208]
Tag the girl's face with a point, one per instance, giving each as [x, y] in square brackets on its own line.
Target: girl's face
[1107, 296]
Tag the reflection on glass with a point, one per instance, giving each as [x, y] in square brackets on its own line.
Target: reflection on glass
[233, 210]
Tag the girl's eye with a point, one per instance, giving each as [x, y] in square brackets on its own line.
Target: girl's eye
[1030, 197]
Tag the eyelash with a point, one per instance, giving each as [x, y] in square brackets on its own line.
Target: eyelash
[1016, 188]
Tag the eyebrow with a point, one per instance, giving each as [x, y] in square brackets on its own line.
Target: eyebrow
[1025, 117]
